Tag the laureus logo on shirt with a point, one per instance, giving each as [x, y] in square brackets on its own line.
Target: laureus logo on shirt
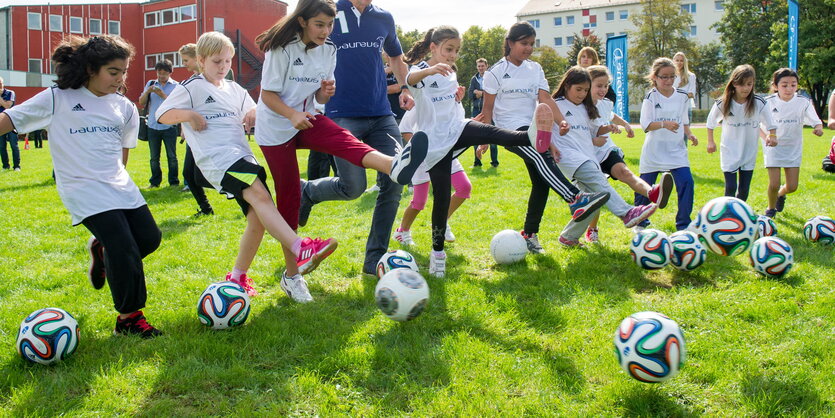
[96, 129]
[377, 43]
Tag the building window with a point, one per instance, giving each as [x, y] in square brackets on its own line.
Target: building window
[76, 25]
[691, 33]
[151, 19]
[569, 40]
[610, 16]
[56, 23]
[719, 5]
[34, 65]
[188, 13]
[569, 20]
[534, 23]
[536, 43]
[624, 14]
[557, 21]
[169, 16]
[558, 41]
[610, 34]
[152, 59]
[114, 27]
[95, 26]
[689, 8]
[33, 21]
[590, 24]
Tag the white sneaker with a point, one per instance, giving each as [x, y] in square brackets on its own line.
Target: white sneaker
[532, 241]
[404, 237]
[437, 263]
[372, 189]
[448, 235]
[407, 161]
[296, 288]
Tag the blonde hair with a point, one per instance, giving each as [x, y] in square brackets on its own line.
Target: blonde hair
[213, 43]
[188, 50]
[658, 65]
[684, 74]
[597, 71]
[591, 53]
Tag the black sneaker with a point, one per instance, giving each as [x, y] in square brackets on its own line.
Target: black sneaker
[136, 324]
[781, 203]
[305, 206]
[771, 213]
[201, 213]
[96, 272]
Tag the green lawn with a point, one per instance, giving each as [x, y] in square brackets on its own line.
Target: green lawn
[534, 338]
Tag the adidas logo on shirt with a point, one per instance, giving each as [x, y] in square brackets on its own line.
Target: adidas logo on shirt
[568, 113]
[78, 108]
[730, 113]
[434, 85]
[210, 99]
[298, 61]
[506, 76]
[774, 110]
[657, 106]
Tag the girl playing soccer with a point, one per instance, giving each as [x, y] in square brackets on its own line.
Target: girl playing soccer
[91, 129]
[664, 118]
[512, 88]
[299, 66]
[789, 112]
[215, 109]
[610, 157]
[577, 157]
[741, 112]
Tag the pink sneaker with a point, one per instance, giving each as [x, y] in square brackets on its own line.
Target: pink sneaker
[313, 252]
[638, 214]
[570, 243]
[244, 282]
[544, 122]
[592, 236]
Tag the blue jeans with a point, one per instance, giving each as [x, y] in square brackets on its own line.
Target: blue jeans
[382, 134]
[156, 139]
[683, 179]
[10, 138]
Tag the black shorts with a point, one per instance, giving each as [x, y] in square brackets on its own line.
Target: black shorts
[238, 177]
[615, 156]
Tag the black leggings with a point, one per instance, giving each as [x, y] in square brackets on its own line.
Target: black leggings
[196, 182]
[731, 189]
[128, 235]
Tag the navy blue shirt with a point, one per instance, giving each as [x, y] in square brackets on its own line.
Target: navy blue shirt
[360, 78]
[7, 95]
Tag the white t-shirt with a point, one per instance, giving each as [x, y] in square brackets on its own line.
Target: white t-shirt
[789, 117]
[223, 142]
[690, 87]
[663, 149]
[295, 74]
[740, 133]
[516, 89]
[86, 137]
[576, 146]
[437, 113]
[606, 109]
[408, 125]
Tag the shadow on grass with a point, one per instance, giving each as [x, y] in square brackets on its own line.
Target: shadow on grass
[483, 172]
[24, 187]
[708, 181]
[778, 396]
[648, 401]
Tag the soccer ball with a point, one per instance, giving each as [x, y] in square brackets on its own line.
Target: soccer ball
[650, 347]
[223, 305]
[688, 252]
[402, 294]
[508, 246]
[397, 259]
[726, 225]
[47, 336]
[651, 249]
[772, 256]
[766, 227]
[820, 229]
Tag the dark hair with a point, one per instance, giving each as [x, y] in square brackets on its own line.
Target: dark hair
[780, 74]
[578, 75]
[738, 76]
[77, 58]
[433, 36]
[281, 33]
[164, 65]
[517, 32]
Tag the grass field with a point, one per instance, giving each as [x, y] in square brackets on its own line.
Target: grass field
[534, 338]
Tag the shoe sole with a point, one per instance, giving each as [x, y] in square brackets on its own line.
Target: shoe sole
[544, 123]
[290, 294]
[666, 187]
[644, 215]
[317, 258]
[93, 264]
[418, 147]
[588, 211]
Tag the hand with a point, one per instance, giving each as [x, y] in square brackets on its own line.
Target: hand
[328, 88]
[818, 130]
[479, 118]
[670, 125]
[771, 141]
[555, 152]
[599, 141]
[481, 150]
[564, 128]
[478, 93]
[629, 132]
[157, 90]
[459, 94]
[407, 102]
[249, 120]
[831, 124]
[197, 121]
[301, 120]
[615, 129]
[693, 140]
[440, 68]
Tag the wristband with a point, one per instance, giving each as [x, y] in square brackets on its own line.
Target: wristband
[404, 87]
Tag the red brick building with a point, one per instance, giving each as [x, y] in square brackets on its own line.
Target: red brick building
[157, 29]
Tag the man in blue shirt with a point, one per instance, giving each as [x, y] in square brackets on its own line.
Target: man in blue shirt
[7, 100]
[156, 91]
[361, 31]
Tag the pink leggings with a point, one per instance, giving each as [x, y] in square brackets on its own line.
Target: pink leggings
[460, 182]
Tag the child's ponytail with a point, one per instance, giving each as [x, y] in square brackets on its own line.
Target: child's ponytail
[433, 36]
[77, 58]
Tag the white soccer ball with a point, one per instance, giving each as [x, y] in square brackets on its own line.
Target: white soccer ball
[47, 336]
[820, 229]
[402, 294]
[726, 225]
[771, 256]
[766, 227]
[396, 259]
[650, 347]
[651, 249]
[508, 246]
[688, 251]
[223, 305]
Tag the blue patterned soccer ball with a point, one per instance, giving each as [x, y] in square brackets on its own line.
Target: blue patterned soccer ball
[766, 227]
[771, 256]
[402, 294]
[651, 249]
[820, 229]
[223, 305]
[397, 259]
[47, 336]
[650, 347]
[726, 226]
[688, 251]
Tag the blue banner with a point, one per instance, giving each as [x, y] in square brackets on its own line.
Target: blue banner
[616, 61]
[794, 19]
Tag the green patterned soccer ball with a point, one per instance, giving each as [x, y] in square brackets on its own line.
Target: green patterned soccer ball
[223, 305]
[47, 336]
[688, 251]
[820, 229]
[651, 249]
[726, 226]
[650, 347]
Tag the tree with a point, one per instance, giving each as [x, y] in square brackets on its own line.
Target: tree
[478, 43]
[408, 39]
[552, 64]
[707, 64]
[581, 42]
